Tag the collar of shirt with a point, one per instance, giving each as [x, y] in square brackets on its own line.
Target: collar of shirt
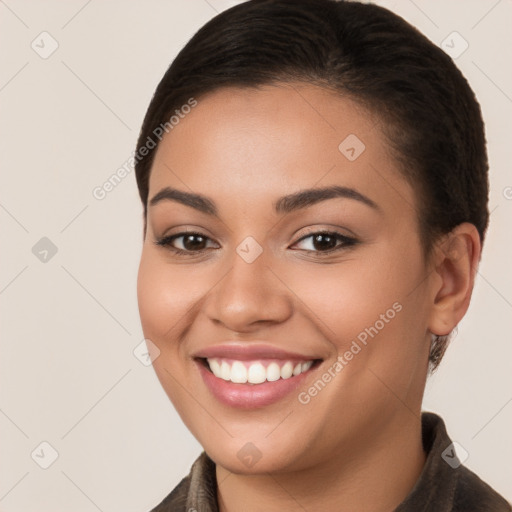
[445, 485]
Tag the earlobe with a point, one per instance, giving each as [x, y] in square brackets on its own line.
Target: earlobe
[456, 259]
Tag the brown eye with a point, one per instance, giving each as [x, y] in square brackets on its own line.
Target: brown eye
[325, 242]
[183, 243]
[193, 242]
[322, 242]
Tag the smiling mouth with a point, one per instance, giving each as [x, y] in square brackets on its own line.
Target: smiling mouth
[257, 371]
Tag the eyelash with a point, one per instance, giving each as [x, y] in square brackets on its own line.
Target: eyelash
[347, 242]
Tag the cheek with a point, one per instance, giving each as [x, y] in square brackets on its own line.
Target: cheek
[369, 301]
[155, 299]
[346, 299]
[164, 298]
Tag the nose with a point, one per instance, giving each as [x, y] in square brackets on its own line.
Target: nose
[249, 296]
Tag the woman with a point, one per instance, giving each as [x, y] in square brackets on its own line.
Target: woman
[314, 182]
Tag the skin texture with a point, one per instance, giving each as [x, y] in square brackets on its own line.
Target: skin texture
[356, 445]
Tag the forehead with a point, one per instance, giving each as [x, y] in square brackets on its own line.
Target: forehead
[276, 140]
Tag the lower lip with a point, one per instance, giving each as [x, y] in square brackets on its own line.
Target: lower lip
[250, 396]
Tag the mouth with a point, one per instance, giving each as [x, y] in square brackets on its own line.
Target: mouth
[256, 372]
[253, 377]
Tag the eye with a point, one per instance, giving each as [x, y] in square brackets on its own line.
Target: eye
[192, 242]
[189, 242]
[325, 242]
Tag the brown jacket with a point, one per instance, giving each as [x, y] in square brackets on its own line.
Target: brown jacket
[443, 486]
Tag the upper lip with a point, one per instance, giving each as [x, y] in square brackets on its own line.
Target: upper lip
[244, 351]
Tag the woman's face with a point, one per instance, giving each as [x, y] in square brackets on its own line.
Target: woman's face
[326, 296]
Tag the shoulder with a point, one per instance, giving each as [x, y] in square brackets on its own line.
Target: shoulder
[445, 485]
[197, 491]
[473, 494]
[176, 501]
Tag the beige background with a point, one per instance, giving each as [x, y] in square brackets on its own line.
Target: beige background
[70, 325]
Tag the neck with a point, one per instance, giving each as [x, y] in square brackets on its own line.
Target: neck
[376, 477]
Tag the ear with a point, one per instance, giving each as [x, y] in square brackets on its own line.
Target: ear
[456, 260]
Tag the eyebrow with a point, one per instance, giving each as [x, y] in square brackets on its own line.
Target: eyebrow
[286, 204]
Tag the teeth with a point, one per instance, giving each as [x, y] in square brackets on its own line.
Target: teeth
[306, 366]
[215, 367]
[273, 372]
[255, 372]
[225, 371]
[287, 370]
[238, 373]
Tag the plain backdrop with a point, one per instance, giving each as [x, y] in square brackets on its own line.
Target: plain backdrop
[75, 80]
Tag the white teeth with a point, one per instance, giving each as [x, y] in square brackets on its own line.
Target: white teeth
[273, 372]
[215, 367]
[238, 373]
[255, 372]
[287, 370]
[306, 366]
[225, 371]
